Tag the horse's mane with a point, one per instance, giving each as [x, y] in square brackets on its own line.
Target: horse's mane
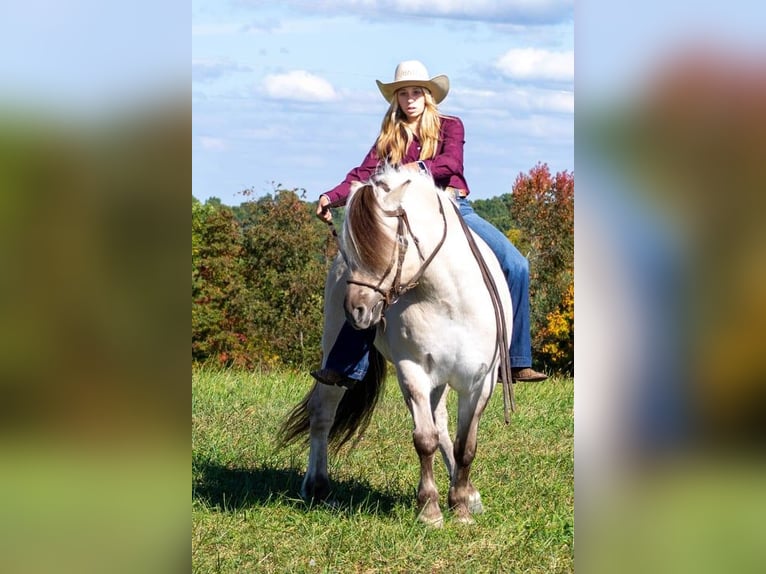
[371, 245]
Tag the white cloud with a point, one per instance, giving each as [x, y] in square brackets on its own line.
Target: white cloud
[556, 102]
[536, 64]
[299, 85]
[541, 101]
[516, 101]
[268, 133]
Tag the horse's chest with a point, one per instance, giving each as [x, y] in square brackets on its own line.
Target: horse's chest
[434, 336]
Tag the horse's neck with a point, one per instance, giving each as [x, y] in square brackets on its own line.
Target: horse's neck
[454, 264]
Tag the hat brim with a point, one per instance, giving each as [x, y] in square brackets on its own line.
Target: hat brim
[438, 86]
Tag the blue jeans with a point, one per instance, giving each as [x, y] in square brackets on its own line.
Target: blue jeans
[516, 270]
[350, 353]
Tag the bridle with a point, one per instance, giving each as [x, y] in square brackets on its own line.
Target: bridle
[403, 228]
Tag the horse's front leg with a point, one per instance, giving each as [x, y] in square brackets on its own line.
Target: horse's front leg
[464, 499]
[425, 436]
[321, 406]
[441, 418]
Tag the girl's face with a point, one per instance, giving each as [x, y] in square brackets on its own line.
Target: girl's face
[412, 101]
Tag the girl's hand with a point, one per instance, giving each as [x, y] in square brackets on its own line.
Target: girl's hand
[323, 212]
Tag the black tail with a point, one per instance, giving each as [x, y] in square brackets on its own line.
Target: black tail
[352, 416]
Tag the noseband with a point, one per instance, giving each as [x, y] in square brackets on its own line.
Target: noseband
[397, 289]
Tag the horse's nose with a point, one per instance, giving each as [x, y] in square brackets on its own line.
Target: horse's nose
[356, 313]
[358, 316]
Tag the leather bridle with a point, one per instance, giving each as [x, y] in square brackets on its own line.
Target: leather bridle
[397, 289]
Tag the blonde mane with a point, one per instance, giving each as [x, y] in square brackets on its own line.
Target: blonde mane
[369, 244]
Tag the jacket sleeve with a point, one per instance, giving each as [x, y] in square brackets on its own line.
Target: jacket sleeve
[449, 159]
[363, 172]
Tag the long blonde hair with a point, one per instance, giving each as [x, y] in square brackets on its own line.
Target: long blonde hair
[395, 137]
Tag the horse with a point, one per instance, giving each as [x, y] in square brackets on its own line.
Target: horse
[432, 309]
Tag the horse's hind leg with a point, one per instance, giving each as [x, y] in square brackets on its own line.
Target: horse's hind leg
[321, 407]
[324, 399]
[464, 499]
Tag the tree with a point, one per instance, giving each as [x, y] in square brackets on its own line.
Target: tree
[543, 210]
[495, 210]
[287, 259]
[220, 306]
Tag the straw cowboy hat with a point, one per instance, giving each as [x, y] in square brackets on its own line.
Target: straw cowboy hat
[414, 73]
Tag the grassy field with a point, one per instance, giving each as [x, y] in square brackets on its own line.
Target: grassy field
[247, 516]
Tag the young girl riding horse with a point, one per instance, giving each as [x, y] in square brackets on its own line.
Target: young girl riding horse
[414, 135]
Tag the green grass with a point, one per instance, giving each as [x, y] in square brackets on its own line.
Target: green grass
[247, 515]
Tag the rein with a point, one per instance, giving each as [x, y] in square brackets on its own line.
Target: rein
[501, 342]
[397, 289]
[331, 225]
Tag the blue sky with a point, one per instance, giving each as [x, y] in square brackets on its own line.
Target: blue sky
[284, 92]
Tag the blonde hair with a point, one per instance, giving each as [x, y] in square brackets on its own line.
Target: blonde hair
[395, 137]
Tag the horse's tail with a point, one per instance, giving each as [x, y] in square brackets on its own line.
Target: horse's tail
[353, 414]
[358, 403]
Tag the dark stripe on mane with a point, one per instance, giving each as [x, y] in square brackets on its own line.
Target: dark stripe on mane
[363, 220]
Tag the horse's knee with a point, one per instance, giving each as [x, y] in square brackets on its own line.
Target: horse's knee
[426, 441]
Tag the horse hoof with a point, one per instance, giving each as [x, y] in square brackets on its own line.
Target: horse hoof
[462, 514]
[474, 504]
[437, 522]
[431, 516]
[315, 490]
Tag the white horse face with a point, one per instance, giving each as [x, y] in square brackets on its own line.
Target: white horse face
[371, 234]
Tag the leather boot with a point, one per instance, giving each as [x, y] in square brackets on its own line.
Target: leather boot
[332, 378]
[527, 375]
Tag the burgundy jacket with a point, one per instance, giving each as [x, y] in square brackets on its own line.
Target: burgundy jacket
[446, 167]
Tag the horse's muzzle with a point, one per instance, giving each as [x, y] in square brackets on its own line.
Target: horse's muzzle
[363, 316]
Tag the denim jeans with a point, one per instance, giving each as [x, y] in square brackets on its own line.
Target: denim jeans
[350, 352]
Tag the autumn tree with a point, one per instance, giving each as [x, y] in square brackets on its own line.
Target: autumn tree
[543, 211]
[221, 326]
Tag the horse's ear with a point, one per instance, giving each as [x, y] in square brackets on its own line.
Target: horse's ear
[393, 198]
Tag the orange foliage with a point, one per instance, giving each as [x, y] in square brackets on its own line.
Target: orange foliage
[543, 210]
